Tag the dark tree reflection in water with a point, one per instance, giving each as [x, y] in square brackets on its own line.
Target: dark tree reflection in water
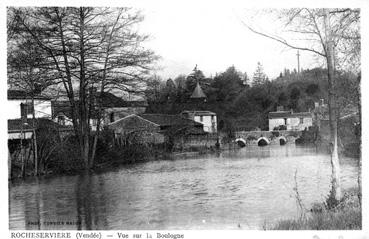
[229, 190]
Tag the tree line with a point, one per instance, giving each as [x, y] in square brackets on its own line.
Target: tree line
[240, 104]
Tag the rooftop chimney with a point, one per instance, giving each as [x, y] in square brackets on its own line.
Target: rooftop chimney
[23, 112]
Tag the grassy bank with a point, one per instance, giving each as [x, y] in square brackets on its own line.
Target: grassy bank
[347, 215]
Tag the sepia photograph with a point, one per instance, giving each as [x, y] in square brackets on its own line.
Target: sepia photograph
[183, 116]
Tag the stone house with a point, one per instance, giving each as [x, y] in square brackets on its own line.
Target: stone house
[156, 128]
[290, 120]
[207, 118]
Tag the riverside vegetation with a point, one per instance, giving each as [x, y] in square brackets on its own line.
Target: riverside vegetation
[61, 156]
[346, 215]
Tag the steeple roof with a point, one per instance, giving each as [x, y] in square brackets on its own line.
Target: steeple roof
[198, 92]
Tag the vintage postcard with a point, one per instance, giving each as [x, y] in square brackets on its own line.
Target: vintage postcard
[171, 119]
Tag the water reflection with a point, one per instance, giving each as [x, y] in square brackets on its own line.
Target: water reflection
[234, 189]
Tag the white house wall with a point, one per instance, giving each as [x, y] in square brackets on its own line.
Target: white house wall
[292, 123]
[26, 135]
[42, 109]
[275, 123]
[206, 121]
[13, 110]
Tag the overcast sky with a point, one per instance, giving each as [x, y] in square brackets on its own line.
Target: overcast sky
[211, 34]
[213, 37]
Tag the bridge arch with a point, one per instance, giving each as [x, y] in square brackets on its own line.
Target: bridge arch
[263, 141]
[241, 142]
[282, 140]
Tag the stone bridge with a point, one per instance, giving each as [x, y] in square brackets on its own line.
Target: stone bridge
[262, 138]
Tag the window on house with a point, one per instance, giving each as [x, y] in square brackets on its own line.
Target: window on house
[94, 122]
[201, 118]
[212, 118]
[26, 109]
[301, 120]
[111, 117]
[285, 121]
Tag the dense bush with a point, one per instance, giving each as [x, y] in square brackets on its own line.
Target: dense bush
[275, 134]
[133, 149]
[66, 159]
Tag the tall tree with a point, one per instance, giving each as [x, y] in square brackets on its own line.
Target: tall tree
[154, 88]
[228, 84]
[259, 76]
[88, 48]
[323, 32]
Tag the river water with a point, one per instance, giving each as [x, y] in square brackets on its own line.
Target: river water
[238, 189]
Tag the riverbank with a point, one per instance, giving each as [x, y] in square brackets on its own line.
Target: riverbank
[349, 139]
[347, 215]
[109, 159]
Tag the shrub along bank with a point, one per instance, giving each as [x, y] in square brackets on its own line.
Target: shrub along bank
[65, 159]
[346, 215]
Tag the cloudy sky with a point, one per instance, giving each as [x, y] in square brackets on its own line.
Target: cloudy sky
[213, 37]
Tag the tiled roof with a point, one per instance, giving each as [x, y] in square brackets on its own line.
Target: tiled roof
[109, 100]
[169, 120]
[288, 114]
[279, 114]
[16, 124]
[301, 114]
[191, 131]
[198, 92]
[22, 95]
[198, 112]
[133, 123]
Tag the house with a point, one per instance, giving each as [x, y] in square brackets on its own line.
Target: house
[20, 129]
[207, 118]
[157, 128]
[25, 118]
[20, 112]
[20, 102]
[116, 108]
[62, 114]
[113, 108]
[289, 120]
[162, 123]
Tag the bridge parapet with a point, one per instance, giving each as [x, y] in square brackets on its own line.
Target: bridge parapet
[252, 137]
